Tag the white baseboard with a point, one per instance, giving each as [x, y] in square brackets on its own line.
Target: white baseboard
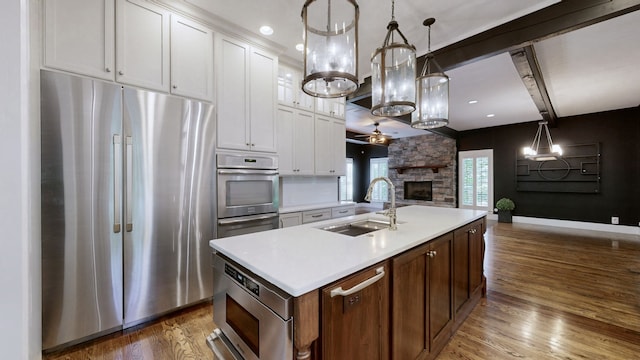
[621, 229]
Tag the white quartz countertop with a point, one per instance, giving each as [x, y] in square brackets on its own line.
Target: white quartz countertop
[296, 208]
[302, 258]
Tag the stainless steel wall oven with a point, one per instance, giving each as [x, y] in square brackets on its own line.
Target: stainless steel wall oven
[248, 197]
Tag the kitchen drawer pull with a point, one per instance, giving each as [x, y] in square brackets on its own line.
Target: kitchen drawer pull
[339, 291]
[343, 211]
[317, 216]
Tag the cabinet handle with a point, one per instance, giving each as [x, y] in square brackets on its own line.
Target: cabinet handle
[120, 73]
[339, 291]
[253, 144]
[473, 231]
[316, 216]
[343, 211]
[175, 86]
[107, 70]
[432, 253]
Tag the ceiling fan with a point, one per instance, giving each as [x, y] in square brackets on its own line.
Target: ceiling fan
[376, 136]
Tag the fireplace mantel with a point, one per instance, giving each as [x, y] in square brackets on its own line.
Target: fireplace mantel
[434, 168]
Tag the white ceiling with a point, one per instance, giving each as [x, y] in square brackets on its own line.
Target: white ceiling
[588, 70]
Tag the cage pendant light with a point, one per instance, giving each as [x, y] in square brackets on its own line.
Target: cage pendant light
[393, 73]
[432, 92]
[531, 153]
[330, 47]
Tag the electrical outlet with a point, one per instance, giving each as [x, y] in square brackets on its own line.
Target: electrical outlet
[615, 220]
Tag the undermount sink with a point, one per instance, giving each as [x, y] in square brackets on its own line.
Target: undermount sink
[358, 227]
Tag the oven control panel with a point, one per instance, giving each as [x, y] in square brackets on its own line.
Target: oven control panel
[243, 280]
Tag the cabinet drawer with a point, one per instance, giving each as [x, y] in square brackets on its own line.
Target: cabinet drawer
[316, 215]
[343, 211]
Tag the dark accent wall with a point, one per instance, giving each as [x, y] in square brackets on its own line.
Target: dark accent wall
[361, 153]
[618, 133]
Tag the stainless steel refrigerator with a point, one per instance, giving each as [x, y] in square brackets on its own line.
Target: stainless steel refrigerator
[128, 205]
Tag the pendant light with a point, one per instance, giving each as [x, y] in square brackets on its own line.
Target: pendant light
[330, 47]
[432, 92]
[393, 73]
[531, 153]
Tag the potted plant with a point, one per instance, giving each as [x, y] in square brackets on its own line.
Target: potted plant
[505, 206]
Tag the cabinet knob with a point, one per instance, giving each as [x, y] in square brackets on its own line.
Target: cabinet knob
[432, 253]
[107, 70]
[120, 72]
[175, 86]
[248, 144]
[473, 231]
[253, 144]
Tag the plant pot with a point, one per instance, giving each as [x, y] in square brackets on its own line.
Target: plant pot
[504, 216]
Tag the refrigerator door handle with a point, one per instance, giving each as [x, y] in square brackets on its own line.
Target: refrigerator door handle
[128, 214]
[117, 177]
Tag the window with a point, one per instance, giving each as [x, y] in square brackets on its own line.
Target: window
[346, 182]
[379, 167]
[476, 179]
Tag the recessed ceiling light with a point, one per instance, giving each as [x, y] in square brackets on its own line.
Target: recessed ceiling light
[473, 101]
[491, 115]
[300, 47]
[266, 30]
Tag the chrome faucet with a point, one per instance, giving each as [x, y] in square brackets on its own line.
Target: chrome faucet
[391, 211]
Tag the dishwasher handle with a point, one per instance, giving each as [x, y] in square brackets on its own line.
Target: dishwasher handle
[340, 292]
[245, 219]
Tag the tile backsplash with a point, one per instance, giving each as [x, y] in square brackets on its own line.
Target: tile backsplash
[308, 190]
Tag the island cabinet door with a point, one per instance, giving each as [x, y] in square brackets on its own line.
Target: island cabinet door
[355, 316]
[468, 257]
[422, 315]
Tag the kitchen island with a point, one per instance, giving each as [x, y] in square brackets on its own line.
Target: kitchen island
[433, 263]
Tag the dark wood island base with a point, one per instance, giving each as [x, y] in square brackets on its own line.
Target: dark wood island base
[406, 307]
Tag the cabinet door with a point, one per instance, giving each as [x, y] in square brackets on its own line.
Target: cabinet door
[284, 127]
[355, 326]
[232, 94]
[339, 148]
[476, 255]
[304, 156]
[323, 152]
[461, 291]
[191, 59]
[286, 86]
[142, 45]
[410, 330]
[79, 36]
[291, 219]
[440, 291]
[263, 90]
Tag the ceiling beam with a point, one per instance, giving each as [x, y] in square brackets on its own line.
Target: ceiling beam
[528, 68]
[557, 19]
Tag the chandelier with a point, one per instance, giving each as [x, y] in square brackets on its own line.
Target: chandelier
[393, 73]
[432, 92]
[330, 47]
[531, 153]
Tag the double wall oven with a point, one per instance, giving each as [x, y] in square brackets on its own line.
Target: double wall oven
[247, 194]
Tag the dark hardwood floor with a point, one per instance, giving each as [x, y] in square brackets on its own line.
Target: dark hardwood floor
[552, 294]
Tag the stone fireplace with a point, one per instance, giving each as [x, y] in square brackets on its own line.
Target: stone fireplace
[420, 179]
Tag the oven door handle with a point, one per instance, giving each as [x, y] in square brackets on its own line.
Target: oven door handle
[246, 219]
[224, 351]
[247, 172]
[339, 291]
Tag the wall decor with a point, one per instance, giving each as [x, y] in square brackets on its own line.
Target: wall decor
[576, 171]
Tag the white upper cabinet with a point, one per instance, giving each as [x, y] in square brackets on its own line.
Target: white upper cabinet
[246, 96]
[191, 59]
[330, 146]
[142, 45]
[334, 107]
[79, 36]
[295, 129]
[290, 89]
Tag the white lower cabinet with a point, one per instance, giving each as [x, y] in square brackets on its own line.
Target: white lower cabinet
[316, 215]
[290, 219]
